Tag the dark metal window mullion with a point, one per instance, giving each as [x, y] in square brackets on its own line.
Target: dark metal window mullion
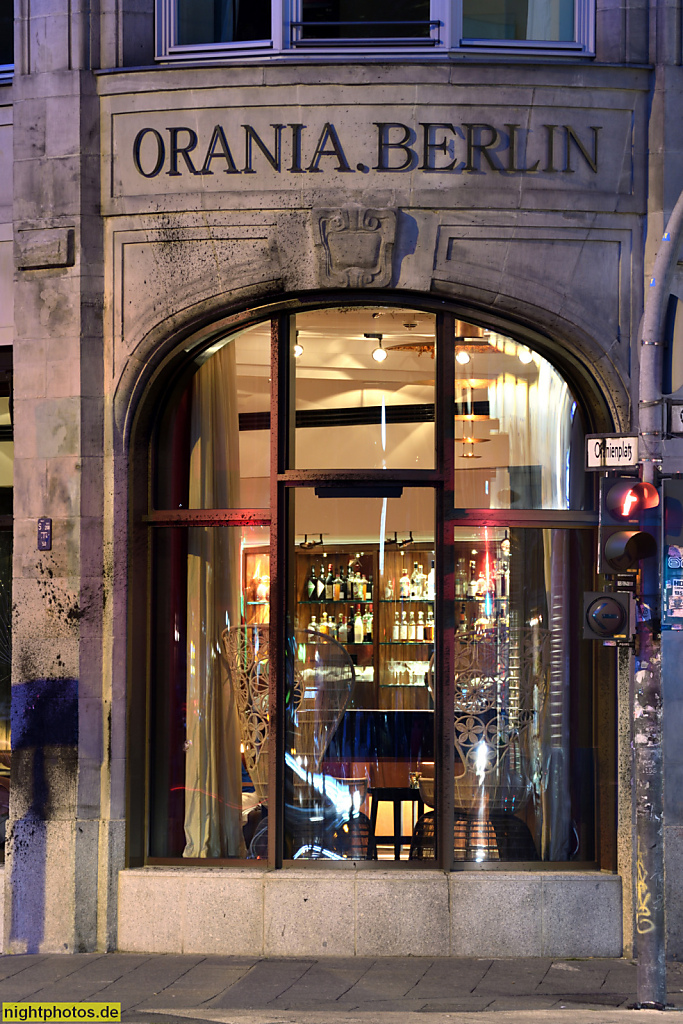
[281, 441]
[444, 689]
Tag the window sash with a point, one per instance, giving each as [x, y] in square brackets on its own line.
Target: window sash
[445, 33]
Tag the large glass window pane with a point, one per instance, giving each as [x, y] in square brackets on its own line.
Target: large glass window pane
[353, 411]
[551, 20]
[360, 718]
[222, 21]
[518, 429]
[524, 752]
[6, 32]
[209, 693]
[356, 19]
[214, 435]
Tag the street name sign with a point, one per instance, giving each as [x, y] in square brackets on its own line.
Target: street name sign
[611, 451]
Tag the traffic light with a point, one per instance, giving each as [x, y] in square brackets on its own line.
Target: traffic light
[629, 524]
[608, 616]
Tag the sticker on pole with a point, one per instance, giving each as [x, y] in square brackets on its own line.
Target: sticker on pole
[611, 451]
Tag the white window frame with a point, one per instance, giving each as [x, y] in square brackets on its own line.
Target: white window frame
[445, 36]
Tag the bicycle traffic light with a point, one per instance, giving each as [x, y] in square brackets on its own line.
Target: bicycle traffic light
[608, 616]
[629, 524]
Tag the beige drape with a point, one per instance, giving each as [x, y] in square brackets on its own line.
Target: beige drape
[213, 770]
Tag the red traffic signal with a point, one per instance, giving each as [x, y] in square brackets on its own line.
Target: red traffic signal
[627, 503]
[625, 500]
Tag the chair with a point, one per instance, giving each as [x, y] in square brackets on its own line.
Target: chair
[501, 685]
[319, 682]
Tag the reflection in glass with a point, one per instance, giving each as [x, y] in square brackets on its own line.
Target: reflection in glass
[551, 20]
[353, 412]
[360, 720]
[356, 19]
[209, 691]
[518, 431]
[222, 21]
[521, 758]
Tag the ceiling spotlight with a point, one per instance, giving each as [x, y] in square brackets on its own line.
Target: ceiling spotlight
[524, 355]
[462, 357]
[378, 354]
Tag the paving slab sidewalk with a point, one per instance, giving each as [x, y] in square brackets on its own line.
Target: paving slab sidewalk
[196, 989]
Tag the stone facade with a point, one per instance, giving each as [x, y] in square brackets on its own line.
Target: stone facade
[151, 204]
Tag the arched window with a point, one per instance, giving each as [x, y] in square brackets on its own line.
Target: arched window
[369, 530]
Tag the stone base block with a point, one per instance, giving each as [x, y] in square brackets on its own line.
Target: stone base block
[295, 912]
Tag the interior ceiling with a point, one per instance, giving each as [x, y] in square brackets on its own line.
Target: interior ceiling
[337, 357]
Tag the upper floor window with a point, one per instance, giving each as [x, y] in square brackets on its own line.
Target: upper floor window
[6, 39]
[188, 29]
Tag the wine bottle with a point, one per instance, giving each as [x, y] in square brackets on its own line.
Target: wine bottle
[320, 588]
[337, 586]
[311, 585]
[358, 627]
[329, 584]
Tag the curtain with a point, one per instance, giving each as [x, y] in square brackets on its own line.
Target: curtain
[535, 414]
[213, 767]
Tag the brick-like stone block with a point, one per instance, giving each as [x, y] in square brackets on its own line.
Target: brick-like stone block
[309, 913]
[402, 913]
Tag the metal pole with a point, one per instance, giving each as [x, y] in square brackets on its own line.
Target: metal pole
[650, 920]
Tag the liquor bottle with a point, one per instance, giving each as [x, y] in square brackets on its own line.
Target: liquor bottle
[460, 579]
[422, 582]
[337, 586]
[358, 627]
[472, 585]
[350, 583]
[320, 589]
[429, 627]
[397, 628]
[367, 626]
[482, 585]
[329, 584]
[389, 590]
[404, 585]
[403, 632]
[431, 582]
[322, 628]
[420, 628]
[411, 627]
[368, 589]
[332, 627]
[363, 596]
[342, 584]
[342, 630]
[462, 626]
[311, 585]
[312, 625]
[414, 582]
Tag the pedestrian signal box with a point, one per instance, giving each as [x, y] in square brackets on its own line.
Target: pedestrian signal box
[629, 524]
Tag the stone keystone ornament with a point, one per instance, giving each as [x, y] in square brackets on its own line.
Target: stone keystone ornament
[354, 246]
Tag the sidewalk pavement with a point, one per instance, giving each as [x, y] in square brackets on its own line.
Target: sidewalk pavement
[166, 989]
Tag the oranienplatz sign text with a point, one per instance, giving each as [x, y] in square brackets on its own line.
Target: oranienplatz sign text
[615, 451]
